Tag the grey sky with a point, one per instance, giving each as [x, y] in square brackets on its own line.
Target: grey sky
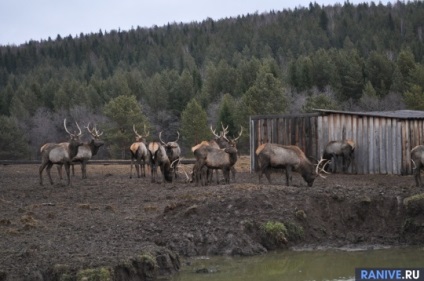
[24, 20]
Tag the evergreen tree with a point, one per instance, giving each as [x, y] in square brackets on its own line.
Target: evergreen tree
[226, 115]
[123, 112]
[320, 101]
[414, 98]
[194, 124]
[12, 141]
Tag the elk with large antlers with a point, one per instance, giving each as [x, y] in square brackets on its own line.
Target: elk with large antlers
[85, 152]
[139, 152]
[88, 150]
[173, 151]
[290, 157]
[60, 153]
[224, 141]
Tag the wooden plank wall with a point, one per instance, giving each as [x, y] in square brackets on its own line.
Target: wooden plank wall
[383, 145]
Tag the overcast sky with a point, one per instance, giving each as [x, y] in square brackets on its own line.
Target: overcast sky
[24, 20]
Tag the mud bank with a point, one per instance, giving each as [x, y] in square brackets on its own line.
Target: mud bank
[112, 227]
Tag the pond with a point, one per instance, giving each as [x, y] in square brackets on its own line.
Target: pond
[299, 265]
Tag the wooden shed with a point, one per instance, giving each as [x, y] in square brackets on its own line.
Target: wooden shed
[384, 139]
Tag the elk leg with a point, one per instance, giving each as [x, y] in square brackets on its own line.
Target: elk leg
[154, 171]
[417, 175]
[59, 170]
[137, 167]
[83, 169]
[288, 171]
[143, 168]
[233, 172]
[226, 172]
[49, 166]
[132, 163]
[68, 172]
[73, 169]
[40, 170]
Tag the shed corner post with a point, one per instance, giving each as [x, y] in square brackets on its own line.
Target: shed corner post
[252, 144]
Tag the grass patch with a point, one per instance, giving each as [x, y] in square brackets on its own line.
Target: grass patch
[275, 231]
[94, 274]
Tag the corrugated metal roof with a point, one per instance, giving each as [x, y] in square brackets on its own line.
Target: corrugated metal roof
[399, 114]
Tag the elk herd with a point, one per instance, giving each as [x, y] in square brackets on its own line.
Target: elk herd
[219, 153]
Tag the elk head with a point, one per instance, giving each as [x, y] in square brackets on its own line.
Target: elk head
[93, 132]
[222, 139]
[139, 137]
[168, 143]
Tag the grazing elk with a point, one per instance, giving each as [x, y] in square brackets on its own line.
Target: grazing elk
[158, 157]
[213, 158]
[290, 157]
[340, 149]
[139, 153]
[60, 153]
[173, 151]
[417, 158]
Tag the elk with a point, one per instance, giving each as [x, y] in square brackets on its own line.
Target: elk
[139, 153]
[213, 158]
[344, 149]
[211, 143]
[85, 152]
[290, 157]
[60, 153]
[224, 142]
[417, 158]
[173, 151]
[88, 150]
[158, 157]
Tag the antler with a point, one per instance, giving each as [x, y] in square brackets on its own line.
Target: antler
[224, 132]
[146, 134]
[72, 135]
[98, 134]
[178, 137]
[414, 166]
[213, 132]
[160, 138]
[135, 132]
[94, 133]
[317, 169]
[241, 132]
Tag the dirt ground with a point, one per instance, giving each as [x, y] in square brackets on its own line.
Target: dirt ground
[108, 220]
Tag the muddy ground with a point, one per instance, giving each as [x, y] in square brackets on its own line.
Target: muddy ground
[130, 229]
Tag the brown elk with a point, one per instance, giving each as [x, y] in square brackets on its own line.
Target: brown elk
[88, 150]
[158, 157]
[85, 152]
[60, 153]
[344, 149]
[223, 141]
[289, 157]
[139, 152]
[417, 158]
[173, 151]
[213, 159]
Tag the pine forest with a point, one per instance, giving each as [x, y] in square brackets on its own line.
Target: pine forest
[187, 77]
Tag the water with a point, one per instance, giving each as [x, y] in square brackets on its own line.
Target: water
[317, 265]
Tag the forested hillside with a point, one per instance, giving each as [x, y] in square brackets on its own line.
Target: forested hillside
[186, 77]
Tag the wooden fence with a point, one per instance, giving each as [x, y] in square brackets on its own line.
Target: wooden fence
[383, 143]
